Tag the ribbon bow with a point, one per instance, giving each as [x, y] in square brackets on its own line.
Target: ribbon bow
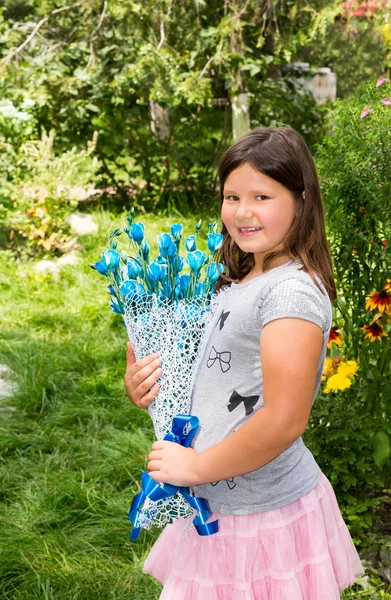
[248, 401]
[182, 432]
[224, 359]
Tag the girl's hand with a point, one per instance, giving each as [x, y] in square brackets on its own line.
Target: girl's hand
[170, 462]
[141, 377]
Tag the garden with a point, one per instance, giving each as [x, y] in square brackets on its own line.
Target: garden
[108, 107]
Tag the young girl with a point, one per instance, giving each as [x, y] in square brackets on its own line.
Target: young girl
[281, 535]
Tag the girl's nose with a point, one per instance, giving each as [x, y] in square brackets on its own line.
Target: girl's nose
[244, 211]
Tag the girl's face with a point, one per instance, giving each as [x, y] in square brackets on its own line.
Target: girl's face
[257, 211]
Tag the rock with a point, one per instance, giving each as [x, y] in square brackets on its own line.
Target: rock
[7, 387]
[47, 266]
[68, 259]
[82, 224]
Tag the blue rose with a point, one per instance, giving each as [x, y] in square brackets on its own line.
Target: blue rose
[137, 232]
[154, 272]
[199, 289]
[101, 267]
[145, 250]
[190, 243]
[164, 241]
[195, 260]
[176, 231]
[214, 241]
[112, 259]
[178, 263]
[115, 305]
[128, 288]
[171, 250]
[184, 282]
[213, 272]
[134, 268]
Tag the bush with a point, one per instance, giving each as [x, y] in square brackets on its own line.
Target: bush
[354, 164]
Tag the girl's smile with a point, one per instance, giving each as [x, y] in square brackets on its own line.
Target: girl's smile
[257, 211]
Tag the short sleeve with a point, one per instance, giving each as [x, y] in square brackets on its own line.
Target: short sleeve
[297, 298]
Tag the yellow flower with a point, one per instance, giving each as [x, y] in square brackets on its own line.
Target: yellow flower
[335, 337]
[348, 368]
[379, 300]
[337, 382]
[373, 331]
[328, 367]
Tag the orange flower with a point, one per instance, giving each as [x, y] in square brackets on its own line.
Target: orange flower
[373, 331]
[335, 337]
[387, 287]
[380, 301]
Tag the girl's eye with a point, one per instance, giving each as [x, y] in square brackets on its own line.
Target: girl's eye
[261, 197]
[231, 198]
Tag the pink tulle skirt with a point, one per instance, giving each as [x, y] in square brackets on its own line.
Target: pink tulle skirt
[301, 551]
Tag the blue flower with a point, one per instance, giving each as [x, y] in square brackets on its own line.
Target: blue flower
[184, 282]
[195, 260]
[115, 305]
[178, 263]
[111, 290]
[176, 231]
[137, 232]
[199, 289]
[134, 268]
[171, 250]
[101, 267]
[164, 240]
[154, 272]
[145, 250]
[178, 292]
[214, 241]
[213, 272]
[198, 226]
[128, 288]
[112, 259]
[190, 243]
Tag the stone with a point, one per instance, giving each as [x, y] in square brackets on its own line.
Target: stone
[7, 387]
[82, 224]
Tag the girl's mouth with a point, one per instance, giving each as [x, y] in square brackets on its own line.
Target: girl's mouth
[247, 231]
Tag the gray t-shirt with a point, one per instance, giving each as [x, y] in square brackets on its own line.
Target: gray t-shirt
[228, 385]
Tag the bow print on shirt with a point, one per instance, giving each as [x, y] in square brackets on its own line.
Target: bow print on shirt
[222, 319]
[248, 401]
[230, 482]
[224, 359]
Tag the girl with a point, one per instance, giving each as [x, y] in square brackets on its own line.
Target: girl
[281, 535]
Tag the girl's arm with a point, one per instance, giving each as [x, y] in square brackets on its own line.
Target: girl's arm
[290, 350]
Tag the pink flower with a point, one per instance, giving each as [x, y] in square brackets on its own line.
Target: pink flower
[381, 81]
[387, 102]
[366, 111]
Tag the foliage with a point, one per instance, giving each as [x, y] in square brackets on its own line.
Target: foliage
[112, 68]
[354, 47]
[40, 189]
[351, 430]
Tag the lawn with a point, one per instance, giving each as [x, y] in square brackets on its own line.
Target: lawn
[72, 445]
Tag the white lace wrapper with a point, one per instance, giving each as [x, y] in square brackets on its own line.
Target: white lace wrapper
[178, 332]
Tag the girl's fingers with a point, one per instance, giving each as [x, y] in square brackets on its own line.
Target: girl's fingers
[147, 383]
[145, 371]
[148, 398]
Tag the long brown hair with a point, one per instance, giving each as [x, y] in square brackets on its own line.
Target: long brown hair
[282, 154]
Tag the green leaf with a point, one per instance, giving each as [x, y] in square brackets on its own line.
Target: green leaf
[381, 448]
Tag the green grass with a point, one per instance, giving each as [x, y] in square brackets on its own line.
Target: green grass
[72, 445]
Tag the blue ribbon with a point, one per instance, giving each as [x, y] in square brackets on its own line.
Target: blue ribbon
[183, 430]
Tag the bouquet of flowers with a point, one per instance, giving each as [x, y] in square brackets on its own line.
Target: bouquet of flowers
[165, 310]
